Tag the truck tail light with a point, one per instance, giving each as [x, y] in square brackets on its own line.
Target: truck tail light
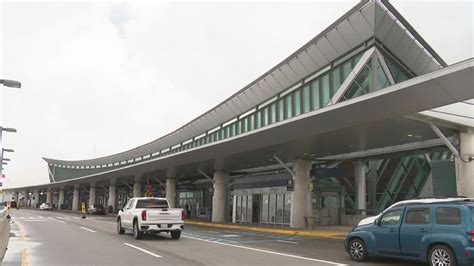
[471, 234]
[144, 215]
[183, 215]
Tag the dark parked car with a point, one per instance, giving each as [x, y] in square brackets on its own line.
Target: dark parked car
[438, 231]
[96, 209]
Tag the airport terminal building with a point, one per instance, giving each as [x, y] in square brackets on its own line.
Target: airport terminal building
[340, 129]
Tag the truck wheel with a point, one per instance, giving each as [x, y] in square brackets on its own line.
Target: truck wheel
[442, 255]
[175, 234]
[357, 250]
[136, 231]
[120, 229]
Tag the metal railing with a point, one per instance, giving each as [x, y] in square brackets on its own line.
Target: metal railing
[4, 231]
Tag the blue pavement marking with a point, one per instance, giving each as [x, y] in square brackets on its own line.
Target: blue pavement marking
[264, 234]
[214, 239]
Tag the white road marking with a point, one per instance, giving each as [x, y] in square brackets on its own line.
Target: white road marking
[143, 250]
[56, 220]
[34, 220]
[268, 251]
[87, 229]
[230, 235]
[101, 221]
[286, 241]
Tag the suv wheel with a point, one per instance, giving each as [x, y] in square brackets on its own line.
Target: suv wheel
[441, 255]
[120, 229]
[357, 250]
[136, 231]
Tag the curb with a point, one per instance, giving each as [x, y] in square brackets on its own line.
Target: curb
[323, 234]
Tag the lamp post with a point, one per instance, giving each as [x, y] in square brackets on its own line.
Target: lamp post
[6, 129]
[10, 83]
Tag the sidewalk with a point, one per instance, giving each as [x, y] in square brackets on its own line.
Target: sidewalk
[338, 232]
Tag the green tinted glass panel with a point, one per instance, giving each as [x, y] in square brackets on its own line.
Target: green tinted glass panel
[315, 102]
[272, 113]
[382, 80]
[325, 91]
[264, 116]
[281, 109]
[336, 80]
[297, 102]
[237, 127]
[306, 99]
[346, 69]
[251, 122]
[361, 85]
[288, 106]
[244, 125]
[397, 73]
[258, 119]
[355, 59]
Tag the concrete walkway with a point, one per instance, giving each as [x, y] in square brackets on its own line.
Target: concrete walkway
[338, 232]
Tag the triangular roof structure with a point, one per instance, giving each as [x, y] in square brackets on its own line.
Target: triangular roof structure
[369, 23]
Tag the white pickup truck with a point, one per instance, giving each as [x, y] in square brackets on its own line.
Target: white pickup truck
[150, 215]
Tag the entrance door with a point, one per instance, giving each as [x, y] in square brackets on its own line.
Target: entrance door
[256, 199]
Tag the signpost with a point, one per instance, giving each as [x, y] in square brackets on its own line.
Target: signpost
[289, 185]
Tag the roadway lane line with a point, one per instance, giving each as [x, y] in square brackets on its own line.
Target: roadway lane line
[87, 229]
[143, 250]
[59, 221]
[269, 252]
[24, 257]
[286, 241]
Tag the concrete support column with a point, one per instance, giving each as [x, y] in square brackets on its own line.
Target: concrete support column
[301, 196]
[360, 170]
[16, 196]
[112, 195]
[465, 169]
[37, 198]
[24, 202]
[49, 196]
[372, 185]
[137, 187]
[171, 192]
[92, 194]
[61, 198]
[75, 198]
[218, 198]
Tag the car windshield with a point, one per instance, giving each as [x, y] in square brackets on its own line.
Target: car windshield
[152, 203]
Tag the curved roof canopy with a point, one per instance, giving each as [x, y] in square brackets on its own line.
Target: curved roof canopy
[365, 22]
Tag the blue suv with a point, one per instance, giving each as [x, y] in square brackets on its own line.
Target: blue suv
[438, 231]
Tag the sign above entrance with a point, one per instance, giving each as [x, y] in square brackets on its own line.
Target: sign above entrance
[289, 185]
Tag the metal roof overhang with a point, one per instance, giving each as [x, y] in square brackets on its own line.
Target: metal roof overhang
[375, 120]
[366, 20]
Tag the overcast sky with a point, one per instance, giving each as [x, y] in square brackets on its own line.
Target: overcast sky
[101, 78]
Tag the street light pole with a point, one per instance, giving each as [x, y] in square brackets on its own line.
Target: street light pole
[6, 129]
[10, 83]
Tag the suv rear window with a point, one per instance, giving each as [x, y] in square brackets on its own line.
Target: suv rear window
[447, 215]
[151, 203]
[472, 215]
[418, 216]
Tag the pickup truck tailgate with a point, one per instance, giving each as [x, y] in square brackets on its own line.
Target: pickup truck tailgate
[164, 216]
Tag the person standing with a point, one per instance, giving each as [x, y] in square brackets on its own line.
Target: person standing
[189, 207]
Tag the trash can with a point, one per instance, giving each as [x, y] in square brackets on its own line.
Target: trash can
[310, 221]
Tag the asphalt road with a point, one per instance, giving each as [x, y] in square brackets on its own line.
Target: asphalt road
[58, 238]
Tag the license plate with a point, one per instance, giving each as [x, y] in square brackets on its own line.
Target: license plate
[164, 225]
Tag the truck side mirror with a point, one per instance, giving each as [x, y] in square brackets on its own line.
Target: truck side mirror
[376, 221]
